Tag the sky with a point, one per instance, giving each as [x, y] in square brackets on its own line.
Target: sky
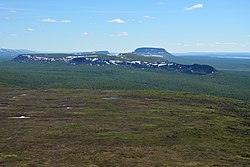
[124, 25]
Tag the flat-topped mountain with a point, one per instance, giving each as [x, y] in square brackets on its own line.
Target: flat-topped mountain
[148, 51]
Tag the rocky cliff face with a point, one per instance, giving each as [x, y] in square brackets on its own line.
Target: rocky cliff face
[96, 61]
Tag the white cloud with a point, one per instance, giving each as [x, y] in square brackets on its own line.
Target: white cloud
[123, 34]
[148, 17]
[30, 29]
[49, 20]
[2, 7]
[197, 6]
[117, 21]
[85, 33]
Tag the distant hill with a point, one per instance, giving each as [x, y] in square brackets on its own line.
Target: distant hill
[239, 55]
[11, 53]
[152, 52]
[93, 52]
[144, 58]
[223, 61]
[129, 60]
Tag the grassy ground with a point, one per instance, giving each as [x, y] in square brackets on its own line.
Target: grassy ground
[121, 128]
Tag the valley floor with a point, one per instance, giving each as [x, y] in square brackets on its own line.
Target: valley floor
[44, 76]
[66, 127]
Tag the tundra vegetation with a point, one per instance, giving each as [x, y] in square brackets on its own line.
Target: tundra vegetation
[66, 115]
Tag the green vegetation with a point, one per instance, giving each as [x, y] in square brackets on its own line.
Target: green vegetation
[120, 116]
[121, 128]
[122, 78]
[4, 59]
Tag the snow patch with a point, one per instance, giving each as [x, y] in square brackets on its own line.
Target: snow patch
[162, 64]
[110, 98]
[22, 95]
[21, 117]
[95, 59]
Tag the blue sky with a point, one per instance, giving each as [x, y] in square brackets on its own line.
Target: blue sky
[123, 25]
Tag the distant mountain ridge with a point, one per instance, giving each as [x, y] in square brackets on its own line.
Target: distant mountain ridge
[143, 57]
[129, 60]
[13, 52]
[93, 52]
[212, 54]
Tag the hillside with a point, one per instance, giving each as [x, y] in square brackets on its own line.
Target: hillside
[107, 83]
[63, 127]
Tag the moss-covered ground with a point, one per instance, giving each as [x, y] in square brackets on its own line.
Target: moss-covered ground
[77, 127]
